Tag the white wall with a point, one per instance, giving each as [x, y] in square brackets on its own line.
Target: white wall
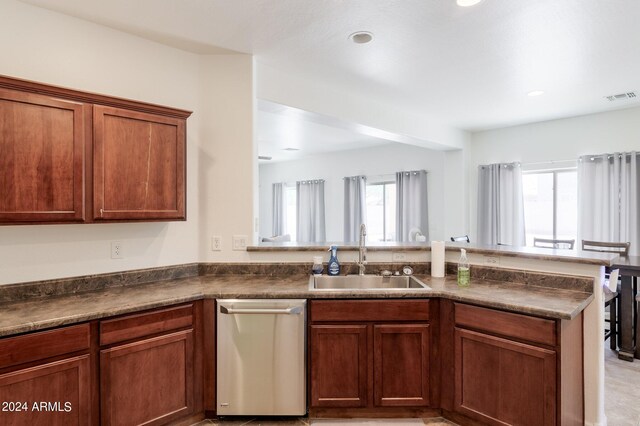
[332, 167]
[227, 164]
[52, 48]
[564, 139]
[456, 192]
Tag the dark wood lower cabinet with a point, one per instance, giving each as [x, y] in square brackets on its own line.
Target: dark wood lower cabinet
[339, 367]
[51, 394]
[401, 365]
[413, 358]
[148, 382]
[375, 362]
[503, 382]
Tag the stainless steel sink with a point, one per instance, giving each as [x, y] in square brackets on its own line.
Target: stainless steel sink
[365, 282]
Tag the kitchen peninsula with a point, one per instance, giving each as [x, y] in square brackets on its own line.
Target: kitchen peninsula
[529, 303]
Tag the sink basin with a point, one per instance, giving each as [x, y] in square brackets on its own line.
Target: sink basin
[365, 282]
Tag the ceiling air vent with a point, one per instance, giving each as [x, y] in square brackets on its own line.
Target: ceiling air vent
[621, 96]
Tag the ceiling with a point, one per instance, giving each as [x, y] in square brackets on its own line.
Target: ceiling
[470, 68]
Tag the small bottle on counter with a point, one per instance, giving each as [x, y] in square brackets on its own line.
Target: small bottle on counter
[317, 267]
[334, 266]
[464, 274]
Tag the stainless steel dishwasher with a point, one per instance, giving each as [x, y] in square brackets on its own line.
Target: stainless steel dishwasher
[261, 357]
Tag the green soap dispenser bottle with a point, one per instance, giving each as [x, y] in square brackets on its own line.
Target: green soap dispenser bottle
[333, 267]
[464, 274]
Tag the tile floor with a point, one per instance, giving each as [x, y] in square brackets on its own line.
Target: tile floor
[622, 393]
[621, 390]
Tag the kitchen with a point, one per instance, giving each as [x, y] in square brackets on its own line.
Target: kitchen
[220, 86]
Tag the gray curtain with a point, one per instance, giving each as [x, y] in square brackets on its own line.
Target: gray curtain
[411, 204]
[609, 198]
[355, 205]
[279, 219]
[310, 226]
[500, 205]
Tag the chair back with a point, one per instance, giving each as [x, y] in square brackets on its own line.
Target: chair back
[606, 247]
[553, 243]
[461, 238]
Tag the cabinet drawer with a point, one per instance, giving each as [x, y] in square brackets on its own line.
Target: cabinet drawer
[44, 344]
[532, 329]
[369, 310]
[139, 325]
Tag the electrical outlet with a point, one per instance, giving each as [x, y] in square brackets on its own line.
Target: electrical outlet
[117, 250]
[240, 242]
[491, 260]
[398, 256]
[216, 243]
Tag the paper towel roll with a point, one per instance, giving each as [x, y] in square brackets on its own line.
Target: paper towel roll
[437, 259]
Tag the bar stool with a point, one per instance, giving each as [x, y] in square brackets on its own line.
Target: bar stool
[637, 326]
[613, 300]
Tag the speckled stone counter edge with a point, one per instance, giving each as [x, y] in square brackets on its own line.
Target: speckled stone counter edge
[86, 283]
[60, 287]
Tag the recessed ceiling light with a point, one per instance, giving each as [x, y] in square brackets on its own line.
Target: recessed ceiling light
[361, 37]
[535, 93]
[467, 3]
[291, 149]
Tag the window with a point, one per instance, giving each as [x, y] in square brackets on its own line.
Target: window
[290, 193]
[381, 211]
[550, 204]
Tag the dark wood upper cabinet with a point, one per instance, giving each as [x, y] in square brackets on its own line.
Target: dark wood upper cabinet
[139, 165]
[71, 156]
[42, 145]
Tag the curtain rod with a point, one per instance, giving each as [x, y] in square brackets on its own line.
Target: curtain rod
[549, 162]
[609, 156]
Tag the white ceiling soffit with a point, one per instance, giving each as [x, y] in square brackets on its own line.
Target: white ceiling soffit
[280, 127]
[469, 67]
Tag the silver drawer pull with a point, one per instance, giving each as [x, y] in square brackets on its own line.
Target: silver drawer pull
[289, 311]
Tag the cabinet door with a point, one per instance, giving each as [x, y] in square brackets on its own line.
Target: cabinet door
[500, 382]
[42, 142]
[139, 165]
[147, 382]
[52, 394]
[339, 365]
[401, 365]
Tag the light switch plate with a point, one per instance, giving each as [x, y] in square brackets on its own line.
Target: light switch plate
[491, 260]
[240, 242]
[398, 256]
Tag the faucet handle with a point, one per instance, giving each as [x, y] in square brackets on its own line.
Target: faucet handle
[407, 270]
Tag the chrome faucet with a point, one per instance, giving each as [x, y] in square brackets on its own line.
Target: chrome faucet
[362, 249]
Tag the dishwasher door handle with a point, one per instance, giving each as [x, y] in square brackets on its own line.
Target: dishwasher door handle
[296, 310]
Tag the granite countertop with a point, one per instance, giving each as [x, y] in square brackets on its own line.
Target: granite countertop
[41, 313]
